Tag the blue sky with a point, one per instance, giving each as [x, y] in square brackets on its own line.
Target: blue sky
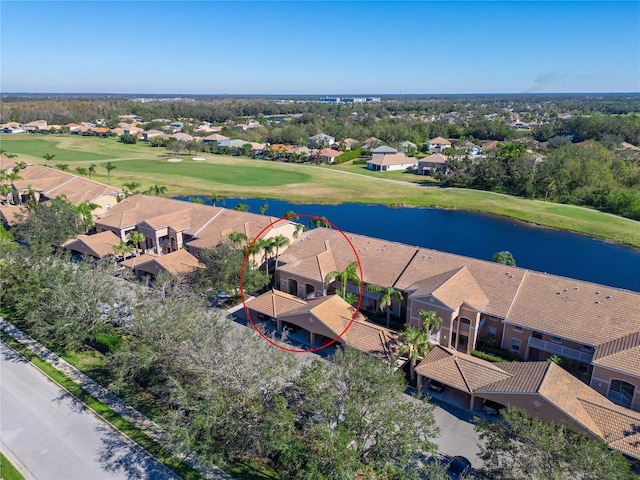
[296, 47]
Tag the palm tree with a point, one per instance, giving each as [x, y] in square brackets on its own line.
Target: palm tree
[348, 274]
[91, 169]
[197, 200]
[291, 215]
[62, 166]
[85, 210]
[504, 257]
[279, 241]
[109, 166]
[267, 247]
[122, 249]
[415, 345]
[263, 208]
[82, 171]
[242, 207]
[131, 188]
[388, 295]
[319, 222]
[48, 157]
[19, 166]
[5, 154]
[299, 228]
[430, 320]
[236, 238]
[157, 190]
[136, 238]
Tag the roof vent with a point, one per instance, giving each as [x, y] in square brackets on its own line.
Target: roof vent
[598, 293]
[510, 276]
[557, 293]
[575, 288]
[565, 289]
[597, 302]
[430, 257]
[608, 296]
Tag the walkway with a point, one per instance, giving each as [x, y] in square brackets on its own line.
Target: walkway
[116, 404]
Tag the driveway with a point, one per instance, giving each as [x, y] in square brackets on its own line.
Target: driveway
[48, 434]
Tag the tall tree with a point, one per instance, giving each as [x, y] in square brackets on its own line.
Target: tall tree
[415, 345]
[387, 296]
[215, 198]
[49, 223]
[62, 166]
[131, 188]
[85, 209]
[518, 446]
[91, 170]
[157, 190]
[349, 274]
[278, 242]
[430, 320]
[242, 207]
[263, 208]
[122, 249]
[109, 166]
[82, 171]
[504, 257]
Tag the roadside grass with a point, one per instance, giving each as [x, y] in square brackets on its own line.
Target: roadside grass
[7, 470]
[251, 178]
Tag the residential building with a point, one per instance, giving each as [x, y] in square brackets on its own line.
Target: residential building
[407, 146]
[532, 314]
[389, 162]
[320, 140]
[431, 164]
[34, 126]
[438, 145]
[328, 155]
[218, 139]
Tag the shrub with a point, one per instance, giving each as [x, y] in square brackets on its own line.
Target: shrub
[108, 342]
[488, 357]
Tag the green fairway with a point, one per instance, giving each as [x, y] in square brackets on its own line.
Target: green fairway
[250, 178]
[255, 175]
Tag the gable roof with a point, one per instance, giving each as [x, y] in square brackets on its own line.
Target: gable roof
[617, 426]
[453, 289]
[434, 158]
[178, 262]
[440, 140]
[392, 159]
[98, 245]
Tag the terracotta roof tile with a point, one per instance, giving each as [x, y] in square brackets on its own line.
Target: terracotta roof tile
[98, 245]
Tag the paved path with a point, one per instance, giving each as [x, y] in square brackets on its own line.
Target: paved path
[48, 434]
[119, 406]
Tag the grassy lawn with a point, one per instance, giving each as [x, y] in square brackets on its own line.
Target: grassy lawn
[7, 470]
[249, 178]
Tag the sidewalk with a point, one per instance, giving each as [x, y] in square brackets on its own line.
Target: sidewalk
[116, 404]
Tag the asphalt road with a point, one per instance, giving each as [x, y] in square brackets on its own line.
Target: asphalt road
[48, 435]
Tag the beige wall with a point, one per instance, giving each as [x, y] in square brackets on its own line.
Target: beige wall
[601, 380]
[105, 203]
[283, 284]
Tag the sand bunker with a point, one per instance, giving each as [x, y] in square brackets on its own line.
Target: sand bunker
[199, 159]
[174, 160]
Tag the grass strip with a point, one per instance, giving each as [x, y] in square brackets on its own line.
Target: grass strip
[7, 470]
[161, 453]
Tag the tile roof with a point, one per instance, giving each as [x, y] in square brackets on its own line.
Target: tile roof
[616, 425]
[382, 261]
[178, 262]
[453, 289]
[439, 140]
[434, 158]
[584, 312]
[98, 245]
[276, 303]
[392, 159]
[460, 371]
[622, 354]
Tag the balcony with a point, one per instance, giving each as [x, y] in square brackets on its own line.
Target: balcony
[560, 350]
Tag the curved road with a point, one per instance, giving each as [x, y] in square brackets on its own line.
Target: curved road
[49, 435]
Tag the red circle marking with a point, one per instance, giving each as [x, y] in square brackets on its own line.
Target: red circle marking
[246, 309]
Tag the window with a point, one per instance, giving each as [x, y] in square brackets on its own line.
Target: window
[517, 328]
[621, 392]
[493, 331]
[537, 335]
[515, 345]
[556, 339]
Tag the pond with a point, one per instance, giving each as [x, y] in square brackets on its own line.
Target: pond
[477, 235]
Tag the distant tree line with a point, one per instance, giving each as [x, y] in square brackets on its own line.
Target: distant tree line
[589, 175]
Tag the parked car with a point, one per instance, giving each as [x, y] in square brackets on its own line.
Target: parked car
[458, 467]
[437, 386]
[491, 408]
